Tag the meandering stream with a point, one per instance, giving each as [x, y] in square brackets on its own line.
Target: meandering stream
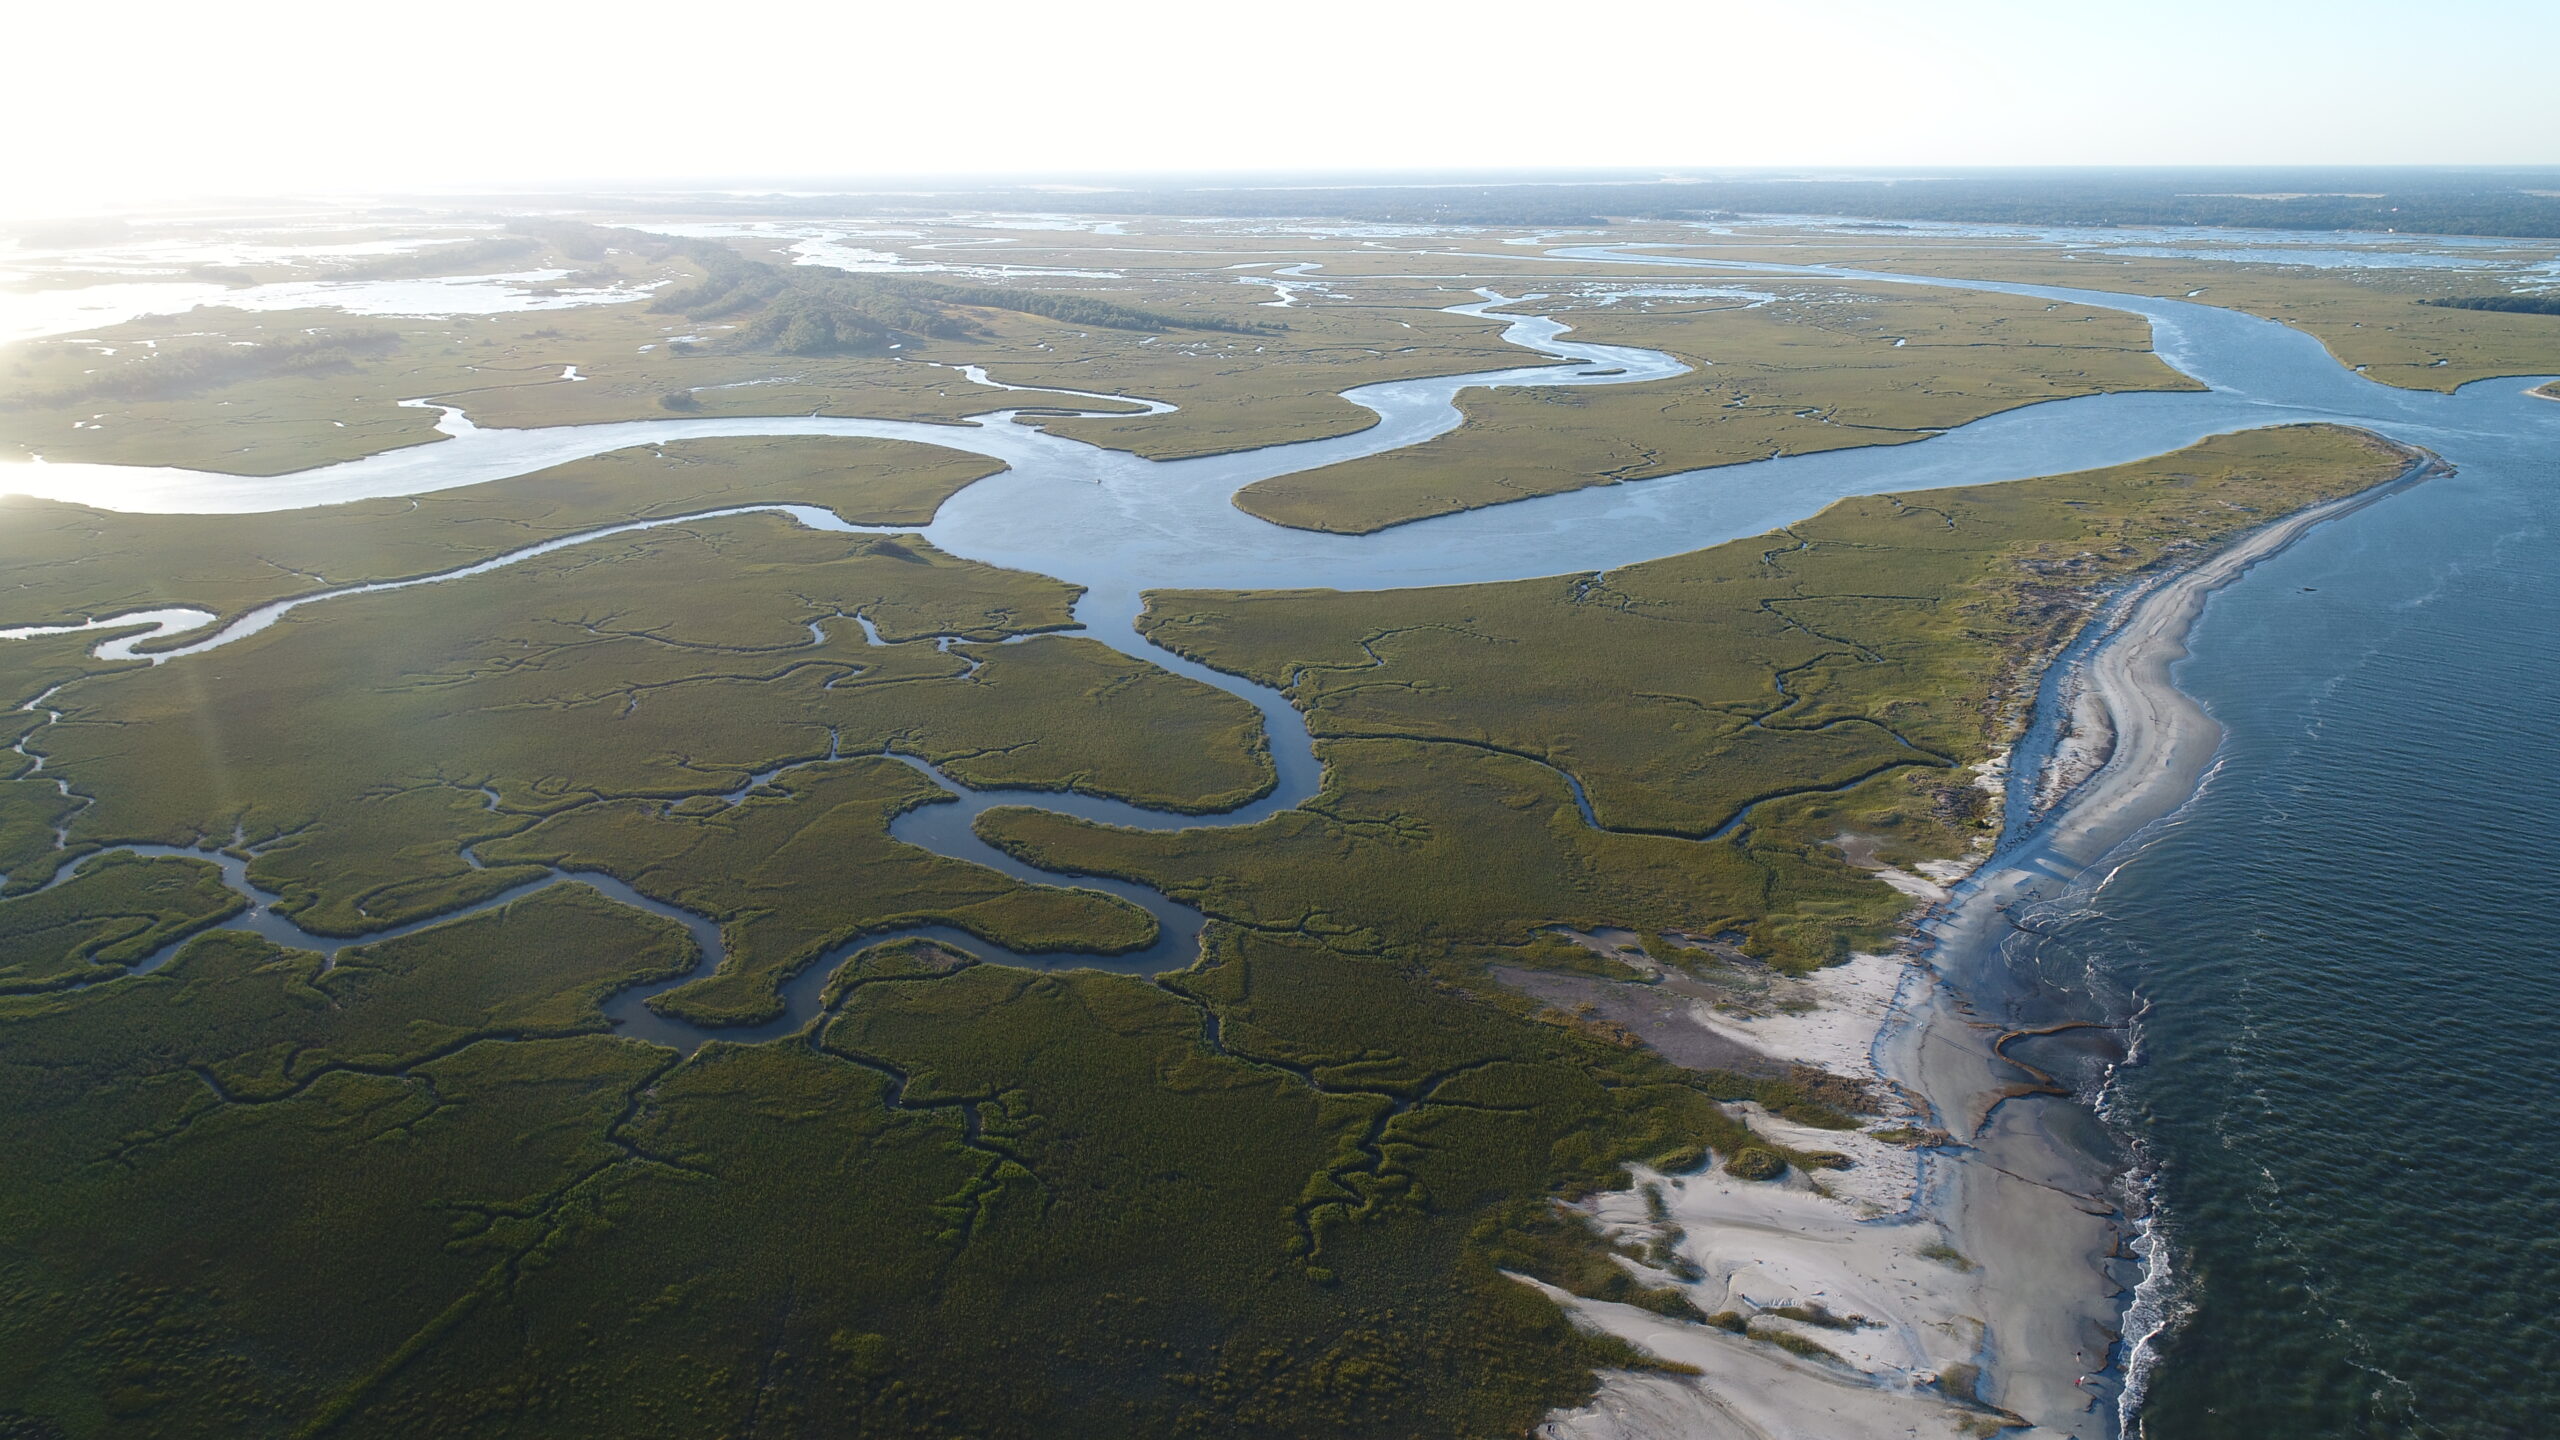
[1120, 525]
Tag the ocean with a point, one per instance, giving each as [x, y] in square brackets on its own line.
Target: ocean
[2342, 962]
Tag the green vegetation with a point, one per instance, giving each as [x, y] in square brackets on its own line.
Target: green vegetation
[426, 1191]
[118, 909]
[656, 666]
[2364, 316]
[804, 865]
[72, 561]
[1819, 1315]
[1823, 369]
[1069, 309]
[768, 339]
[1754, 1162]
[1563, 1249]
[2513, 304]
[819, 310]
[31, 812]
[466, 257]
[417, 1201]
[1846, 673]
[1798, 1346]
[1170, 322]
[172, 371]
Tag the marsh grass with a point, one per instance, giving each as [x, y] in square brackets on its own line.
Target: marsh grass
[425, 1192]
[118, 909]
[1817, 370]
[670, 664]
[72, 561]
[2367, 317]
[794, 872]
[1761, 697]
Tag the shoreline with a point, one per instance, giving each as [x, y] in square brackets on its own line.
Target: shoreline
[2040, 1196]
[2021, 1335]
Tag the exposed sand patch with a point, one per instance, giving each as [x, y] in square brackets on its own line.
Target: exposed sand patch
[2003, 1252]
[1860, 850]
[1757, 1391]
[2030, 1200]
[1828, 1020]
[1851, 1242]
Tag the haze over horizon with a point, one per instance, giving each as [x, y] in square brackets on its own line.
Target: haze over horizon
[288, 95]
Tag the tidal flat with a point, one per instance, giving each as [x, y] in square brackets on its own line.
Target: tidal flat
[349, 1143]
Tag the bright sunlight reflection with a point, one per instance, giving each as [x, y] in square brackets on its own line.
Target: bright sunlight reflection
[168, 100]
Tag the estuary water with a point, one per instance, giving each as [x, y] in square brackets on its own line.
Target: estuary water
[2336, 958]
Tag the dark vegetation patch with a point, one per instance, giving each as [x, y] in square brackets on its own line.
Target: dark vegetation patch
[1819, 1315]
[415, 1196]
[180, 368]
[1754, 1162]
[117, 910]
[2400, 198]
[467, 257]
[819, 310]
[600, 708]
[2511, 304]
[807, 866]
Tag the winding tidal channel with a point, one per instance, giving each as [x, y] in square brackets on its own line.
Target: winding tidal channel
[1119, 526]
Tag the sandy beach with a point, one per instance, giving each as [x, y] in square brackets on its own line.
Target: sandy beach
[1976, 1287]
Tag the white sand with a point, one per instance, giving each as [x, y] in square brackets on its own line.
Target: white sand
[1849, 1241]
[1842, 1008]
[1749, 1391]
[2023, 1207]
[2024, 1202]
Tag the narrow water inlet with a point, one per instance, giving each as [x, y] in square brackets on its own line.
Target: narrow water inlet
[1120, 526]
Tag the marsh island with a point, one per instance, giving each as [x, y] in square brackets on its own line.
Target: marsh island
[740, 824]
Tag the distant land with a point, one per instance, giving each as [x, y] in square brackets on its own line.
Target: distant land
[2441, 200]
[1604, 806]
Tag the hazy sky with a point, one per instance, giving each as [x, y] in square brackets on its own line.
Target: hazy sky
[150, 98]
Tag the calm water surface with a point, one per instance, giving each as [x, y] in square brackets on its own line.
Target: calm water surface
[2351, 1051]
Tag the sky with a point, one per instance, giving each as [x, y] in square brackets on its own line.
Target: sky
[149, 100]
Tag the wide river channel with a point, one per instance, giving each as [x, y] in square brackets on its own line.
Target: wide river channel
[2338, 958]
